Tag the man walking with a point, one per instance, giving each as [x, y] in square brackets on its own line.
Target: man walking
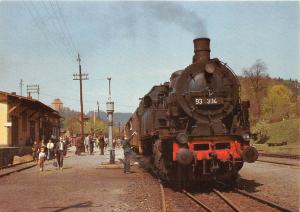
[60, 151]
[92, 141]
[78, 143]
[101, 143]
[127, 152]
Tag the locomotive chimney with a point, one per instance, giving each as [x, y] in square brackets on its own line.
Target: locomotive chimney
[202, 50]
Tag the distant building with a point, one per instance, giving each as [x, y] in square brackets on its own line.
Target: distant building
[57, 105]
[24, 120]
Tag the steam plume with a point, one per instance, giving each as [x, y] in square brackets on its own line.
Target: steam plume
[174, 13]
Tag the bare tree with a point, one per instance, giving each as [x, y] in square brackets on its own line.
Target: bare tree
[256, 75]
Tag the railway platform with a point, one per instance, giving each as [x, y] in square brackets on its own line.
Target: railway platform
[83, 185]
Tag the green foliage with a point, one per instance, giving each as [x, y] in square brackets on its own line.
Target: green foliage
[283, 131]
[261, 132]
[287, 130]
[278, 102]
[90, 127]
[272, 99]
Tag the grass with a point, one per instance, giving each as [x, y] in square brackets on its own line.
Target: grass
[288, 130]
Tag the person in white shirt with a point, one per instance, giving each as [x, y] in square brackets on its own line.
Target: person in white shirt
[87, 143]
[50, 150]
[42, 157]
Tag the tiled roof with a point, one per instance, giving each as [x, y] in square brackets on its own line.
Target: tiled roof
[30, 101]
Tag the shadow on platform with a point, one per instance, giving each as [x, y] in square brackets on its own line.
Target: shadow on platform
[248, 185]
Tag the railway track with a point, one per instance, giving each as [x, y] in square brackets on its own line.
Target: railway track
[7, 170]
[216, 200]
[288, 160]
[296, 157]
[279, 163]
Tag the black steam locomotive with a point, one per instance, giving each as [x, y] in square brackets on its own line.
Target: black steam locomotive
[195, 128]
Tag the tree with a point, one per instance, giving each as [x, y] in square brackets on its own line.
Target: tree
[256, 75]
[278, 102]
[72, 124]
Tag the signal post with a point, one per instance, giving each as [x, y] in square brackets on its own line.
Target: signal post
[110, 111]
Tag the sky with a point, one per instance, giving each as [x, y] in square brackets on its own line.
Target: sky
[137, 44]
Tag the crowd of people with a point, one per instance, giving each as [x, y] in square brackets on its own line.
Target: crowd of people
[57, 149]
[53, 149]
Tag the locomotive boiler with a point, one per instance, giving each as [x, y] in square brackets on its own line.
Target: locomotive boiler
[195, 127]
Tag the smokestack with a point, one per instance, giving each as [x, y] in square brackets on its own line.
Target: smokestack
[202, 50]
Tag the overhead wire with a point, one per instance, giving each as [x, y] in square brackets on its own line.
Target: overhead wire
[59, 26]
[66, 25]
[43, 27]
[58, 32]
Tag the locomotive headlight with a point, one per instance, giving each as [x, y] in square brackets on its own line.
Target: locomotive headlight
[246, 137]
[182, 138]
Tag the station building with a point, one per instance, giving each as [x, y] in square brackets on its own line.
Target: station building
[24, 120]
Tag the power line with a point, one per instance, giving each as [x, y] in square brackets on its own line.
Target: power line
[42, 26]
[66, 26]
[58, 25]
[57, 28]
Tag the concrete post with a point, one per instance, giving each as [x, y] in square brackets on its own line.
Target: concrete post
[110, 111]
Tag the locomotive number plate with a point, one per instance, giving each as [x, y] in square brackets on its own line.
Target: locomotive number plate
[208, 101]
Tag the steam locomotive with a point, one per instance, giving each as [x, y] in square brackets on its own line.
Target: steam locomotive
[195, 128]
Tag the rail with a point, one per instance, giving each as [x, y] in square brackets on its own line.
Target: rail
[197, 201]
[18, 167]
[263, 200]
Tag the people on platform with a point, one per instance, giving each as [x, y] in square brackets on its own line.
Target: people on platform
[50, 150]
[125, 142]
[35, 150]
[87, 143]
[42, 157]
[79, 145]
[60, 151]
[101, 143]
[91, 144]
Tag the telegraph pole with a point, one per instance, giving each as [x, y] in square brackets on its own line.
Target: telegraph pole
[33, 89]
[98, 111]
[119, 129]
[110, 111]
[21, 87]
[80, 77]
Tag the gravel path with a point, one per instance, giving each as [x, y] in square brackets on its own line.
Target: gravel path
[278, 183]
[81, 186]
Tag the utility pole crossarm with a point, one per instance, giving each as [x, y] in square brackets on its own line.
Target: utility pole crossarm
[80, 76]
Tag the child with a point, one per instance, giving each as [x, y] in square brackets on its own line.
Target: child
[42, 156]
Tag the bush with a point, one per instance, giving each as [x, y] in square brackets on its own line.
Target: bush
[261, 133]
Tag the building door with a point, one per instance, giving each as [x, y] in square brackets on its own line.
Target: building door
[14, 131]
[32, 130]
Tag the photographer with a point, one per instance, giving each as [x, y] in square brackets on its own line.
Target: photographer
[127, 152]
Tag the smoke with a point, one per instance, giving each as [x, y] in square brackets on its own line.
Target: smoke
[143, 161]
[174, 13]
